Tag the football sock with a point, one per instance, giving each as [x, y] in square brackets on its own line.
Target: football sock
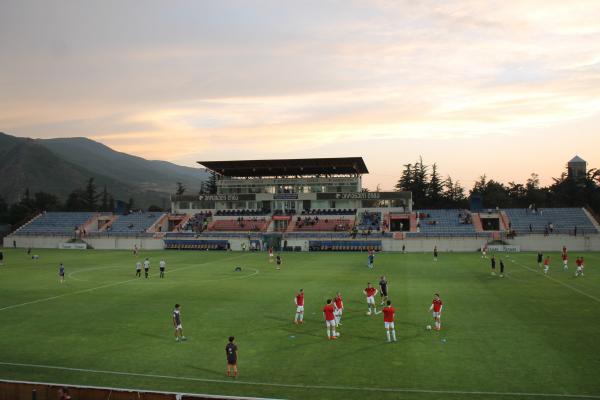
[328, 334]
[388, 335]
[394, 335]
[301, 316]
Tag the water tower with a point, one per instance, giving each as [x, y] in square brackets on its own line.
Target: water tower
[577, 168]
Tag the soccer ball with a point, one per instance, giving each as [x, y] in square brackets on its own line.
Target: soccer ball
[337, 334]
[368, 312]
[428, 327]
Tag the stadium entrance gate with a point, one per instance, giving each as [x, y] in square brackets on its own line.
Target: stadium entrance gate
[272, 240]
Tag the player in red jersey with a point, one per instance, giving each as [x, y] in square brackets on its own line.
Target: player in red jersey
[388, 321]
[436, 307]
[565, 259]
[270, 254]
[579, 270]
[370, 292]
[328, 315]
[299, 300]
[546, 265]
[338, 305]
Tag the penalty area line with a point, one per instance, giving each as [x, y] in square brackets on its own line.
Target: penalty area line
[302, 386]
[573, 288]
[109, 285]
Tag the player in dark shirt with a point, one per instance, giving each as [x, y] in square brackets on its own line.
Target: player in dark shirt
[371, 260]
[61, 272]
[278, 261]
[231, 351]
[540, 258]
[501, 268]
[435, 253]
[1, 257]
[177, 324]
[383, 292]
[493, 262]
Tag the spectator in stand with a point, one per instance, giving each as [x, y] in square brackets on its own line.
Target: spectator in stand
[63, 394]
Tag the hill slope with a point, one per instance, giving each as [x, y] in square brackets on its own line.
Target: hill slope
[58, 166]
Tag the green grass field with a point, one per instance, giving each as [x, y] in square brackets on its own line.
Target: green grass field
[522, 336]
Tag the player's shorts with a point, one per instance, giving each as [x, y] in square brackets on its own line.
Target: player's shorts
[179, 327]
[565, 262]
[161, 269]
[437, 314]
[338, 312]
[371, 300]
[270, 254]
[383, 293]
[330, 324]
[299, 309]
[388, 325]
[231, 361]
[61, 274]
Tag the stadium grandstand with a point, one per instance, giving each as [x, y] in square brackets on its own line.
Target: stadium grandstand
[312, 204]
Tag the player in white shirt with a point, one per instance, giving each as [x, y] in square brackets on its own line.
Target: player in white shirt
[138, 269]
[161, 266]
[146, 268]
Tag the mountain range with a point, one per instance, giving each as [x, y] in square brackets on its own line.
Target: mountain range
[59, 166]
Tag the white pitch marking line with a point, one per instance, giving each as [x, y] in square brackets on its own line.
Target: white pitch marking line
[98, 287]
[302, 386]
[562, 283]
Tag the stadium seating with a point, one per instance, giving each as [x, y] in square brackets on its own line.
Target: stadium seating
[307, 224]
[133, 223]
[239, 225]
[563, 220]
[330, 211]
[443, 223]
[369, 220]
[55, 223]
[238, 213]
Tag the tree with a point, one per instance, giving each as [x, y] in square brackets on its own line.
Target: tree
[180, 189]
[211, 183]
[154, 208]
[434, 188]
[90, 196]
[46, 202]
[104, 206]
[130, 204]
[75, 201]
[406, 179]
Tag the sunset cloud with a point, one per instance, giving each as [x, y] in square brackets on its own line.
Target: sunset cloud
[185, 81]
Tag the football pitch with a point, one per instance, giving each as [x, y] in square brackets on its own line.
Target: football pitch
[522, 336]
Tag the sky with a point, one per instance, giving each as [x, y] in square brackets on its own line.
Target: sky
[502, 88]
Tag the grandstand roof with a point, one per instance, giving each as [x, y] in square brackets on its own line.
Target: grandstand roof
[287, 167]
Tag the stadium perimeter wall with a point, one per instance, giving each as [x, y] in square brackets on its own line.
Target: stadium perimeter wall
[444, 244]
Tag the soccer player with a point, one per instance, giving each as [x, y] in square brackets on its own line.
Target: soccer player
[329, 320]
[579, 270]
[546, 265]
[161, 266]
[370, 292]
[370, 259]
[338, 305]
[484, 251]
[138, 269]
[540, 258]
[135, 250]
[493, 262]
[270, 254]
[388, 321]
[582, 266]
[146, 267]
[435, 253]
[1, 257]
[177, 324]
[231, 350]
[278, 262]
[501, 268]
[383, 289]
[299, 300]
[403, 249]
[436, 307]
[61, 272]
[565, 258]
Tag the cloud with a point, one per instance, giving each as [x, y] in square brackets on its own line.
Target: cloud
[218, 80]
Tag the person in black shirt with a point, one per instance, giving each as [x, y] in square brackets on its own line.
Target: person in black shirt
[501, 268]
[231, 351]
[493, 265]
[1, 257]
[435, 253]
[278, 261]
[383, 292]
[540, 258]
